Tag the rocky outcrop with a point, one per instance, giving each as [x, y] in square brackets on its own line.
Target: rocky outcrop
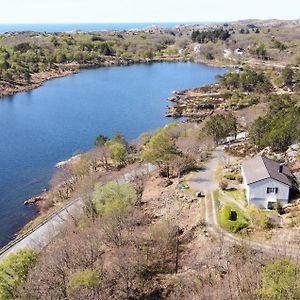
[196, 104]
[35, 199]
[64, 163]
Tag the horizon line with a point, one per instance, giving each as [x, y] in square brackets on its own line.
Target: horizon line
[144, 22]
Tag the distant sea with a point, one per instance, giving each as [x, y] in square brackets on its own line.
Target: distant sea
[83, 26]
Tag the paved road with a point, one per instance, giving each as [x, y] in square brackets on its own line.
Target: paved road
[45, 232]
[204, 180]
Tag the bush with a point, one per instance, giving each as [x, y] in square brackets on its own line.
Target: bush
[280, 280]
[233, 219]
[230, 176]
[278, 207]
[223, 184]
[264, 222]
[239, 178]
[254, 214]
[14, 270]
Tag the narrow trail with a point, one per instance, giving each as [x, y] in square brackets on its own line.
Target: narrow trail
[232, 200]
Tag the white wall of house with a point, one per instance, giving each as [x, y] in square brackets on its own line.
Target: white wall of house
[257, 192]
[245, 184]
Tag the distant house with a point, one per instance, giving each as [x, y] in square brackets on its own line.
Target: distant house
[239, 51]
[227, 53]
[181, 51]
[197, 48]
[266, 182]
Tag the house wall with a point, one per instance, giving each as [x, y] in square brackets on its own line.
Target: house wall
[257, 192]
[245, 185]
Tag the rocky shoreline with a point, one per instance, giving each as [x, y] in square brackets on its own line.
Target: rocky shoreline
[38, 79]
[44, 194]
[196, 104]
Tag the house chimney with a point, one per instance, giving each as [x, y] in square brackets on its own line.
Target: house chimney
[280, 168]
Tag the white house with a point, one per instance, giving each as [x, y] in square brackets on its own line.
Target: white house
[197, 48]
[266, 182]
[227, 53]
[239, 51]
[181, 51]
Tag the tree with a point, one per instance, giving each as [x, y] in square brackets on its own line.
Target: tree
[113, 203]
[81, 167]
[101, 140]
[138, 183]
[280, 281]
[261, 52]
[13, 272]
[86, 281]
[119, 153]
[111, 191]
[231, 124]
[221, 126]
[160, 150]
[118, 137]
[279, 127]
[278, 45]
[287, 76]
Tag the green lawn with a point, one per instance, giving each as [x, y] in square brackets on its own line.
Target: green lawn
[236, 226]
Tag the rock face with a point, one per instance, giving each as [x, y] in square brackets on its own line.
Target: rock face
[292, 152]
[34, 200]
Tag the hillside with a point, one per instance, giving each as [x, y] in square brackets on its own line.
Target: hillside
[166, 216]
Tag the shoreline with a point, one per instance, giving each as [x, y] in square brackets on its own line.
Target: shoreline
[34, 201]
[38, 79]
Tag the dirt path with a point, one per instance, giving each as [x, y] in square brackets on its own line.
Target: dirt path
[232, 200]
[204, 181]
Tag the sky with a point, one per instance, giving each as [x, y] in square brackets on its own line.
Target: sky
[130, 11]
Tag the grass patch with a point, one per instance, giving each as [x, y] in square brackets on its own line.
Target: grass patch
[232, 219]
[230, 176]
[218, 173]
[217, 200]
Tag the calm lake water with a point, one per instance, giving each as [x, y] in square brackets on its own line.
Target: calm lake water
[49, 124]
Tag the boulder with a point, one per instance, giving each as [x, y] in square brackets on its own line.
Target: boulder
[34, 200]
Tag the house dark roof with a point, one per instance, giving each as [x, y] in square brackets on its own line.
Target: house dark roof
[261, 167]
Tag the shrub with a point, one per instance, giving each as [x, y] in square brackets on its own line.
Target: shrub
[264, 222]
[239, 178]
[230, 176]
[254, 214]
[278, 207]
[14, 270]
[223, 184]
[233, 219]
[280, 280]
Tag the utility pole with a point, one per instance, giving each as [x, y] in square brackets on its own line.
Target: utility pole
[177, 249]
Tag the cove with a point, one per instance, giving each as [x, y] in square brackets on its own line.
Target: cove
[49, 124]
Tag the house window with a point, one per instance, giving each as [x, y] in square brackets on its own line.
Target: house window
[272, 190]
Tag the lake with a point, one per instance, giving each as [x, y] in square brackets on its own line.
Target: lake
[49, 124]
